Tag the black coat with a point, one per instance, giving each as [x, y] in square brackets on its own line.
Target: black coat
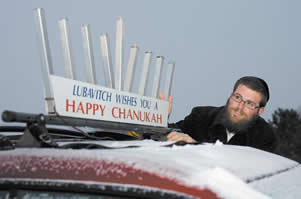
[204, 124]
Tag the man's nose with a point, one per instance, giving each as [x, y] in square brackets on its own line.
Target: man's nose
[241, 105]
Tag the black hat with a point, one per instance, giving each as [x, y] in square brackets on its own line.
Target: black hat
[265, 85]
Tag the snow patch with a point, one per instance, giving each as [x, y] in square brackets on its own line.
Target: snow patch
[191, 165]
[229, 186]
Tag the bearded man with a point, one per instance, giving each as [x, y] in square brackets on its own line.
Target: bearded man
[236, 123]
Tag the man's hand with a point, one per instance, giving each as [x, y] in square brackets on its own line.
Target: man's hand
[178, 136]
[162, 97]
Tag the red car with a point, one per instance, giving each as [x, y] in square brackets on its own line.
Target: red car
[59, 163]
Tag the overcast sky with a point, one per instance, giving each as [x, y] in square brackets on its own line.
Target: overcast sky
[213, 43]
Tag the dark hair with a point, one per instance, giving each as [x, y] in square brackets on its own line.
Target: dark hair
[255, 84]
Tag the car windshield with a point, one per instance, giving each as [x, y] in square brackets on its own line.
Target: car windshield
[23, 194]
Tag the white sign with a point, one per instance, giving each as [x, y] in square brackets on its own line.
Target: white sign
[83, 100]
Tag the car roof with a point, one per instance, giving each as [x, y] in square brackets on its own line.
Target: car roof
[225, 170]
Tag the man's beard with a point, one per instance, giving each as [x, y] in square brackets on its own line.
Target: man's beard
[239, 126]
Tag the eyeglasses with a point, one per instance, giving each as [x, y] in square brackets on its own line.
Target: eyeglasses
[249, 104]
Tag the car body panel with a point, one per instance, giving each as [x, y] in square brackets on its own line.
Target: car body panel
[208, 171]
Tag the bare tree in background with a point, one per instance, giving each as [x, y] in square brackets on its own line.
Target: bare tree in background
[287, 126]
[299, 110]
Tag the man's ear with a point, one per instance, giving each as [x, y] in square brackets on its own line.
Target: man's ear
[260, 111]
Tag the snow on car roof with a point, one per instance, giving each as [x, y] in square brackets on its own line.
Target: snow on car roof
[225, 169]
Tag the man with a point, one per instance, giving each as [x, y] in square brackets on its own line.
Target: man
[236, 123]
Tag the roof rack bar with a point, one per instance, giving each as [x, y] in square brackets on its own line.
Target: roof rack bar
[88, 50]
[128, 83]
[145, 73]
[107, 61]
[119, 53]
[45, 55]
[157, 76]
[11, 116]
[66, 46]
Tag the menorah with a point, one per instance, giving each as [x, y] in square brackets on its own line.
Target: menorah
[116, 100]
